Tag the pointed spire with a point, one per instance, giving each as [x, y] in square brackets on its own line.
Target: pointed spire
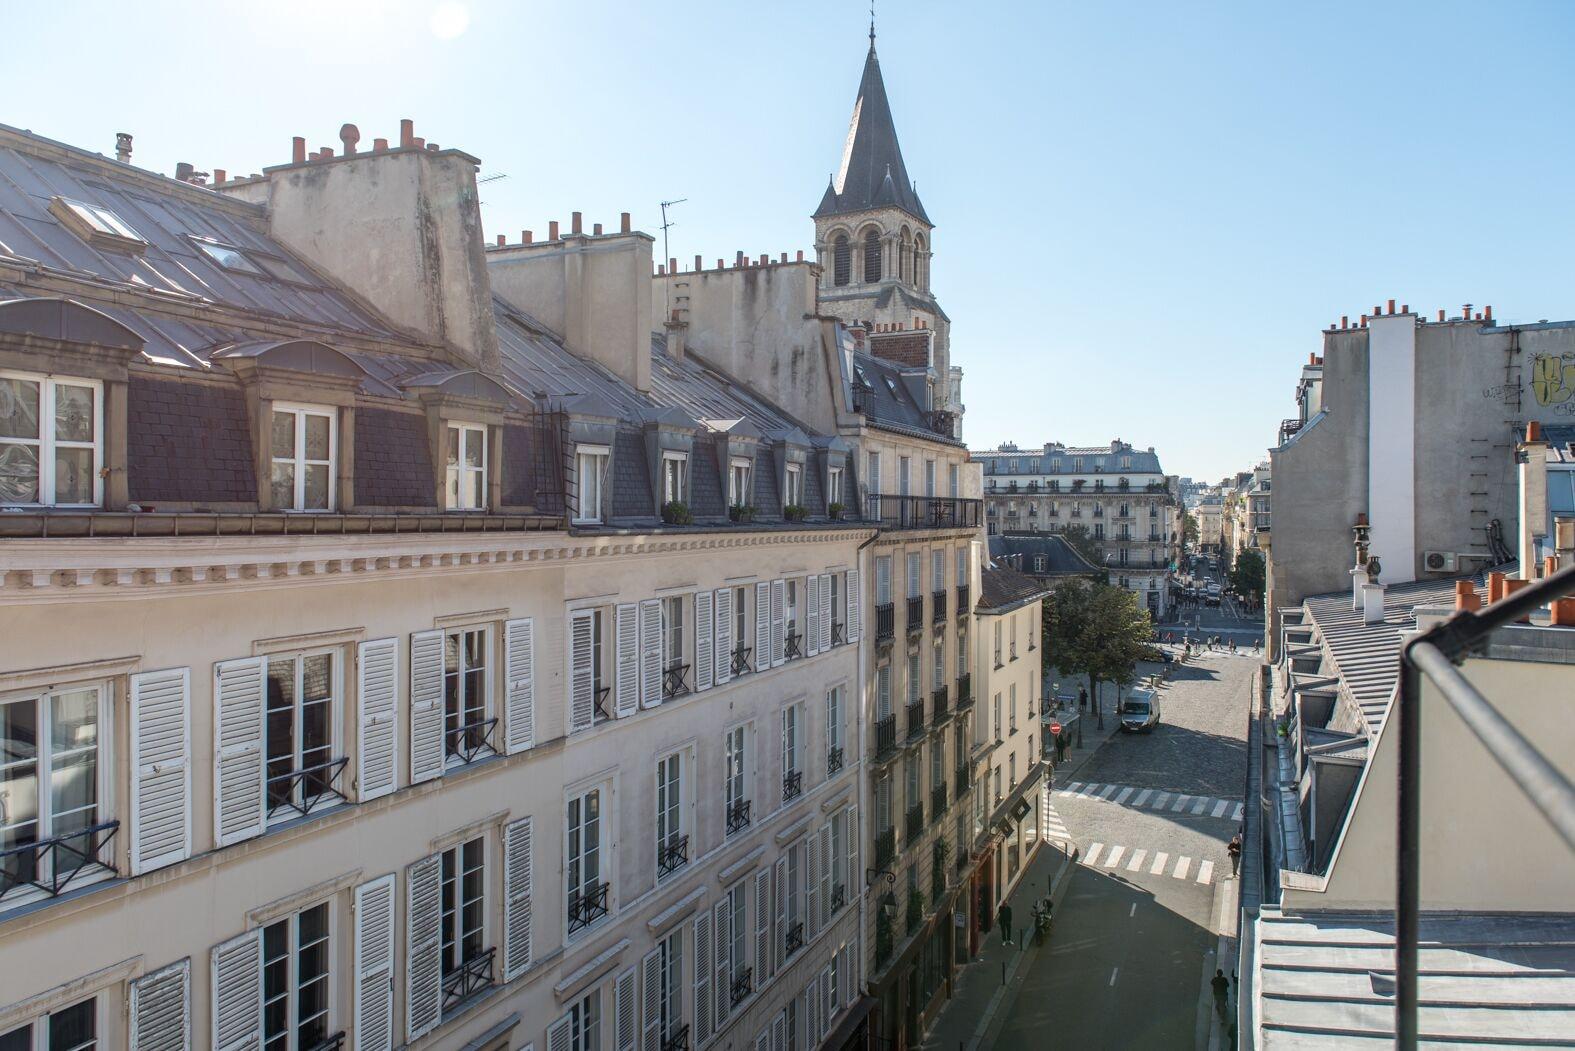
[872, 155]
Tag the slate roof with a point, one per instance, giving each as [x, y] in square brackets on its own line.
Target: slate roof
[894, 398]
[1097, 459]
[1001, 589]
[872, 173]
[1061, 558]
[1326, 980]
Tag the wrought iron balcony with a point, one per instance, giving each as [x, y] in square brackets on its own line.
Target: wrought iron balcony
[964, 779]
[924, 512]
[885, 848]
[839, 898]
[940, 705]
[675, 681]
[915, 825]
[938, 606]
[737, 816]
[792, 785]
[937, 801]
[587, 906]
[466, 742]
[51, 864]
[741, 661]
[672, 855]
[962, 600]
[602, 713]
[677, 1040]
[833, 761]
[885, 737]
[468, 979]
[885, 622]
[839, 634]
[915, 719]
[306, 789]
[330, 1043]
[964, 692]
[793, 645]
[795, 938]
[743, 985]
[915, 614]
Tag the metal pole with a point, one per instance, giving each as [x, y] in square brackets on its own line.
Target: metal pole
[1407, 858]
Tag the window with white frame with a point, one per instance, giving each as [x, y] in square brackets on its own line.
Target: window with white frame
[675, 670]
[793, 491]
[883, 691]
[915, 567]
[913, 679]
[940, 664]
[464, 917]
[929, 477]
[672, 843]
[910, 777]
[738, 490]
[902, 475]
[792, 752]
[794, 639]
[735, 778]
[996, 706]
[675, 468]
[587, 890]
[669, 1002]
[953, 478]
[51, 444]
[738, 926]
[838, 606]
[1013, 640]
[741, 647]
[590, 471]
[883, 804]
[296, 984]
[54, 778]
[882, 579]
[1012, 770]
[301, 440]
[585, 1022]
[467, 694]
[938, 763]
[834, 729]
[833, 486]
[997, 637]
[1012, 706]
[998, 786]
[465, 453]
[298, 729]
[73, 1028]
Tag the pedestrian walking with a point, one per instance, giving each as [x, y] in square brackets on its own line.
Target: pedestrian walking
[1082, 696]
[1234, 850]
[1003, 919]
[1221, 986]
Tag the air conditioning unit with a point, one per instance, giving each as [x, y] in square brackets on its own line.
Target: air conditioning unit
[1440, 561]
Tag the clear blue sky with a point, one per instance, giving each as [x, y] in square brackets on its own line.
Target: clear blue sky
[1146, 212]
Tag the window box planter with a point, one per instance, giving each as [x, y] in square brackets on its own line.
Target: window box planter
[741, 513]
[795, 512]
[676, 512]
[834, 511]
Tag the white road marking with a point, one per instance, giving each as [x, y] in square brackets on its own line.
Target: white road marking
[1159, 863]
[1114, 857]
[1113, 972]
[1140, 800]
[1125, 792]
[1181, 804]
[1220, 807]
[1201, 805]
[1072, 789]
[1205, 871]
[1137, 860]
[1182, 865]
[1159, 803]
[1134, 910]
[1108, 792]
[1092, 857]
[1236, 816]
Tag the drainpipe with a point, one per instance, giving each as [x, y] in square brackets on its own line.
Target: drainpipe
[865, 796]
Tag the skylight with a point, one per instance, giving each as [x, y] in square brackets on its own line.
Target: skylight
[250, 261]
[229, 257]
[97, 225]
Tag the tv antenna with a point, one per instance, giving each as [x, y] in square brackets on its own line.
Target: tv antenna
[494, 177]
[667, 255]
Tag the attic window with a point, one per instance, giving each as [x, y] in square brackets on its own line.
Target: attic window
[228, 256]
[249, 261]
[891, 386]
[858, 370]
[96, 225]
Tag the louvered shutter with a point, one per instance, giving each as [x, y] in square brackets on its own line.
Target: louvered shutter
[160, 1009]
[626, 1025]
[651, 1000]
[627, 646]
[651, 652]
[812, 889]
[850, 980]
[828, 1000]
[812, 997]
[705, 652]
[883, 580]
[778, 622]
[724, 635]
[702, 977]
[779, 930]
[238, 750]
[161, 768]
[519, 660]
[426, 706]
[374, 964]
[377, 713]
[723, 931]
[826, 865]
[237, 992]
[423, 946]
[811, 615]
[763, 625]
[763, 1039]
[560, 1037]
[826, 612]
[852, 840]
[582, 670]
[762, 926]
[516, 898]
[855, 600]
[779, 1033]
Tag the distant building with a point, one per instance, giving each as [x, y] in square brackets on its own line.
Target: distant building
[1048, 558]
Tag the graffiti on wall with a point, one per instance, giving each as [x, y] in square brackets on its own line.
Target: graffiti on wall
[1553, 381]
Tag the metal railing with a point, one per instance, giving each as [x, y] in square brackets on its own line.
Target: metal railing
[938, 607]
[885, 848]
[915, 719]
[335, 1042]
[468, 741]
[468, 979]
[600, 695]
[677, 1040]
[672, 855]
[964, 778]
[51, 864]
[792, 785]
[743, 985]
[962, 599]
[839, 634]
[675, 681]
[964, 692]
[839, 898]
[924, 512]
[795, 938]
[834, 760]
[885, 622]
[915, 614]
[306, 789]
[915, 821]
[1434, 654]
[737, 816]
[937, 801]
[939, 701]
[741, 661]
[587, 906]
[793, 646]
[885, 737]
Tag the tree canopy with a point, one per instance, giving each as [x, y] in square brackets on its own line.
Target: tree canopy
[1096, 630]
[1083, 543]
[1247, 575]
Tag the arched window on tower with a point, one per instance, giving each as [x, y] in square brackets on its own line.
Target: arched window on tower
[872, 268]
[841, 260]
[905, 271]
[921, 264]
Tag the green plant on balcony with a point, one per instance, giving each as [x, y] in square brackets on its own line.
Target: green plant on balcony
[741, 512]
[834, 509]
[795, 512]
[885, 933]
[676, 512]
[942, 851]
[915, 909]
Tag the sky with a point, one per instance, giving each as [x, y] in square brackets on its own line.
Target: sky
[1146, 213]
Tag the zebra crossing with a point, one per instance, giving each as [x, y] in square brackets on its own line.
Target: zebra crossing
[1159, 863]
[1156, 800]
[1054, 827]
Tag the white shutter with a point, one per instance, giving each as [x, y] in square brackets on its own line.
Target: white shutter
[519, 662]
[560, 1037]
[762, 926]
[237, 992]
[626, 1026]
[778, 622]
[423, 946]
[160, 1009]
[723, 931]
[852, 840]
[850, 980]
[651, 652]
[883, 580]
[763, 1039]
[627, 648]
[238, 750]
[812, 997]
[516, 898]
[161, 768]
[426, 706]
[811, 615]
[702, 978]
[582, 670]
[812, 889]
[826, 612]
[779, 1033]
[724, 635]
[855, 600]
[826, 865]
[779, 933]
[377, 715]
[651, 979]
[763, 625]
[374, 964]
[705, 655]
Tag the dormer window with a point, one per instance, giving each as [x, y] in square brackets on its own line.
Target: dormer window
[793, 491]
[833, 486]
[51, 448]
[302, 442]
[738, 491]
[674, 468]
[96, 225]
[466, 458]
[590, 470]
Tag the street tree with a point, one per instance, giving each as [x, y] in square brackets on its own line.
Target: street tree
[1082, 541]
[1097, 631]
[1247, 575]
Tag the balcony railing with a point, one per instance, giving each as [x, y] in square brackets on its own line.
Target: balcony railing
[51, 864]
[885, 848]
[675, 681]
[793, 646]
[839, 634]
[468, 979]
[915, 614]
[306, 789]
[839, 898]
[937, 801]
[672, 855]
[741, 661]
[924, 512]
[833, 761]
[330, 1043]
[885, 737]
[468, 741]
[938, 606]
[915, 719]
[964, 692]
[940, 706]
[737, 816]
[792, 785]
[962, 600]
[964, 778]
[885, 622]
[915, 821]
[677, 1040]
[795, 938]
[743, 985]
[602, 713]
[587, 906]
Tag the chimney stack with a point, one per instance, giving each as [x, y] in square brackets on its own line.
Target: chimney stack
[349, 135]
[575, 224]
[407, 133]
[1532, 456]
[552, 230]
[1466, 596]
[1372, 603]
[298, 150]
[123, 147]
[623, 222]
[527, 236]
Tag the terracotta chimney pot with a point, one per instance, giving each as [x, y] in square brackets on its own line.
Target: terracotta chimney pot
[527, 236]
[1441, 315]
[623, 222]
[1513, 585]
[1533, 431]
[699, 264]
[501, 241]
[552, 230]
[1466, 596]
[379, 145]
[1496, 588]
[575, 224]
[407, 133]
[800, 255]
[1487, 312]
[418, 143]
[219, 175]
[298, 150]
[1562, 612]
[1391, 306]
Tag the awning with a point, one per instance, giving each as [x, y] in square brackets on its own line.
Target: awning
[860, 1010]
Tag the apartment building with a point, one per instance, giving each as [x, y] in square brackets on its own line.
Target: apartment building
[1117, 494]
[380, 662]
